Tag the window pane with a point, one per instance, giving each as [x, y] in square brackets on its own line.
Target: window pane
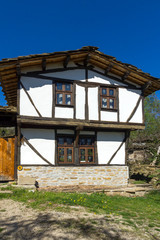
[69, 154]
[61, 158]
[82, 141]
[82, 159]
[104, 91]
[69, 158]
[89, 141]
[69, 151]
[104, 102]
[68, 99]
[90, 152]
[59, 86]
[59, 98]
[90, 158]
[82, 152]
[111, 103]
[60, 140]
[67, 87]
[61, 151]
[111, 92]
[69, 141]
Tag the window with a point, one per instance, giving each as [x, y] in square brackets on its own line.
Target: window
[86, 150]
[65, 149]
[64, 94]
[108, 98]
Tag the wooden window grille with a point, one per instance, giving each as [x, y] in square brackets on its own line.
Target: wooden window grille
[86, 150]
[108, 98]
[65, 149]
[64, 94]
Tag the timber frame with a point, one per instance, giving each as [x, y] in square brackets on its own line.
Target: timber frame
[75, 146]
[86, 59]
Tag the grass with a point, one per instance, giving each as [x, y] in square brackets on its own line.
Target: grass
[135, 212]
[139, 182]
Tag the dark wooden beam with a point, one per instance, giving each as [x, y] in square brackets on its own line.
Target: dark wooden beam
[146, 86]
[30, 99]
[107, 70]
[18, 69]
[37, 121]
[43, 64]
[66, 61]
[86, 60]
[89, 67]
[126, 74]
[117, 149]
[35, 150]
[135, 108]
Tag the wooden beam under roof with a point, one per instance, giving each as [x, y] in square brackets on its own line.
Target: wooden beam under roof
[108, 68]
[125, 76]
[86, 60]
[136, 76]
[66, 61]
[43, 64]
[71, 123]
[13, 75]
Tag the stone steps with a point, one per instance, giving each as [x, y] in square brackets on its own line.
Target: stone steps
[132, 190]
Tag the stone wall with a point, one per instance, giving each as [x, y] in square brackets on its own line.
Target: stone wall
[47, 176]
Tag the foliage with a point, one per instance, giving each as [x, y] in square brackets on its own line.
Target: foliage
[152, 113]
[152, 119]
[7, 131]
[151, 134]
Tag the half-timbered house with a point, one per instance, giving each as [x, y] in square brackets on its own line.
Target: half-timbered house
[75, 110]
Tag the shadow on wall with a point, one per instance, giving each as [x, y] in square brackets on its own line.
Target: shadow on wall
[110, 136]
[35, 83]
[46, 134]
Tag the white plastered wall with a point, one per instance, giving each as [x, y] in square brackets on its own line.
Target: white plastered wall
[43, 140]
[80, 102]
[41, 93]
[93, 103]
[77, 74]
[108, 116]
[64, 112]
[99, 78]
[127, 101]
[107, 145]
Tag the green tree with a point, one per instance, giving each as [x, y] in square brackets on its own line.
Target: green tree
[151, 134]
[152, 115]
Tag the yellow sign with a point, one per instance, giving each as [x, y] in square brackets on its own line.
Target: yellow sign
[20, 168]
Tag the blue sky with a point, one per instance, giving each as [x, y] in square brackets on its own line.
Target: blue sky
[126, 29]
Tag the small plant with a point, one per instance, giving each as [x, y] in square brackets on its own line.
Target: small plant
[139, 211]
[1, 229]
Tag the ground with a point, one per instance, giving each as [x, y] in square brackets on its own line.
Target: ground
[17, 222]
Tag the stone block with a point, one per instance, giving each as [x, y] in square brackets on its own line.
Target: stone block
[26, 180]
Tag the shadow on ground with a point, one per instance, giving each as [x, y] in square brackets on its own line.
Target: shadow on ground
[45, 226]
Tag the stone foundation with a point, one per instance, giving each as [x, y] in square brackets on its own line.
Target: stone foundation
[47, 176]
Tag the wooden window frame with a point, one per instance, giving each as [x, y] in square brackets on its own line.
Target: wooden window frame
[108, 97]
[86, 147]
[65, 146]
[64, 92]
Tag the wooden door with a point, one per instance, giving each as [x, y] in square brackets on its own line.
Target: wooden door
[7, 159]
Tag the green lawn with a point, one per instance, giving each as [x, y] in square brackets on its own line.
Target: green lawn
[135, 211]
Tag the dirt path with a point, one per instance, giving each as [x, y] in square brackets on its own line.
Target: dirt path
[17, 222]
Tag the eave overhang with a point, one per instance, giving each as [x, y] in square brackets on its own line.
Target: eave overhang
[10, 69]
